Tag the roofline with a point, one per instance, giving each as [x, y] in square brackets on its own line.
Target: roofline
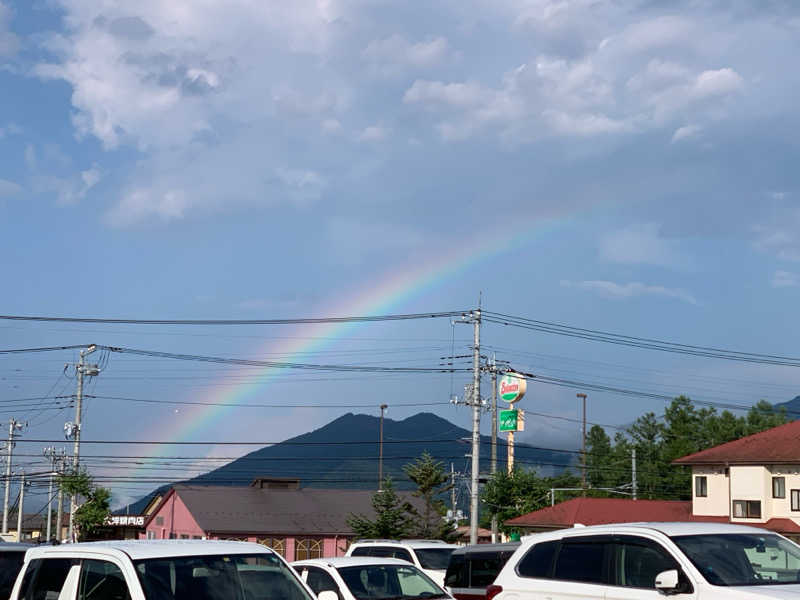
[683, 462]
[275, 533]
[158, 506]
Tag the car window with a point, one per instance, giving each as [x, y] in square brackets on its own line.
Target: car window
[361, 551]
[456, 572]
[320, 581]
[102, 580]
[10, 564]
[483, 571]
[377, 582]
[382, 552]
[48, 579]
[434, 558]
[582, 561]
[402, 554]
[216, 577]
[636, 564]
[538, 561]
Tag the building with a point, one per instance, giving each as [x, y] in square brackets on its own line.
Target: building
[296, 522]
[753, 480]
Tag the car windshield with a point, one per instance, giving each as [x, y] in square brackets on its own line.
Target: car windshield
[742, 559]
[380, 582]
[434, 558]
[232, 577]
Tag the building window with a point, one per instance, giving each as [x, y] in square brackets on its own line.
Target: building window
[159, 520]
[795, 500]
[151, 535]
[779, 487]
[701, 486]
[308, 548]
[747, 509]
[276, 544]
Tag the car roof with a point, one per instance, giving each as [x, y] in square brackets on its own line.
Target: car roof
[15, 546]
[405, 543]
[666, 528]
[351, 561]
[487, 548]
[144, 549]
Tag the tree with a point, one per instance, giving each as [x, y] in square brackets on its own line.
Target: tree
[432, 482]
[598, 455]
[393, 516]
[94, 511]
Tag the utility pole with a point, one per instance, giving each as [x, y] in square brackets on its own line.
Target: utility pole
[583, 444]
[493, 467]
[60, 510]
[89, 370]
[13, 426]
[475, 317]
[380, 452]
[453, 490]
[633, 473]
[20, 507]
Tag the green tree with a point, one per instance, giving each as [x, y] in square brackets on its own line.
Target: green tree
[598, 457]
[393, 516]
[93, 513]
[432, 482]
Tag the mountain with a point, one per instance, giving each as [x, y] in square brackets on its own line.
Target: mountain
[792, 407]
[332, 457]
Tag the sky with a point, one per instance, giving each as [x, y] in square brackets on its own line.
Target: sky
[623, 166]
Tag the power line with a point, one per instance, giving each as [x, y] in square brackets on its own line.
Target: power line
[300, 321]
[278, 405]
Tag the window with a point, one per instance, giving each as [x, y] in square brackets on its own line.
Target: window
[431, 558]
[362, 551]
[308, 548]
[457, 573]
[538, 562]
[102, 580]
[701, 486]
[48, 580]
[581, 561]
[483, 571]
[373, 582]
[10, 565]
[320, 581]
[151, 535]
[159, 520]
[404, 554]
[747, 509]
[779, 487]
[276, 544]
[636, 564]
[795, 499]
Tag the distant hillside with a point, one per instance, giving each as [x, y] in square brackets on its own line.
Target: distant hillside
[319, 464]
[792, 407]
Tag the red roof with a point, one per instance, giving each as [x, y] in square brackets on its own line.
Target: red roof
[602, 511]
[780, 444]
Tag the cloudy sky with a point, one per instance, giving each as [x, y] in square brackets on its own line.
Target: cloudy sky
[628, 166]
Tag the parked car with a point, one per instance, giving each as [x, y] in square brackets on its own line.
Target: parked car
[702, 561]
[474, 568]
[12, 556]
[367, 578]
[432, 556]
[157, 570]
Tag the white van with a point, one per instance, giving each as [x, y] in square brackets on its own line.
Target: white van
[431, 556]
[640, 561]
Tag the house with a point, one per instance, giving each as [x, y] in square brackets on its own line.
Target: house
[753, 480]
[296, 522]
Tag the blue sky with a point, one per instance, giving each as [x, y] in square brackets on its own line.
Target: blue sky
[245, 160]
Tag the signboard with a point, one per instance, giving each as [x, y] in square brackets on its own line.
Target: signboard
[512, 387]
[126, 520]
[508, 420]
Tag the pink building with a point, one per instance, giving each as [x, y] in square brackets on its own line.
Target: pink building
[296, 522]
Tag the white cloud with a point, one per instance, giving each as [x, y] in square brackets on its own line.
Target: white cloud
[395, 54]
[686, 132]
[782, 241]
[373, 133]
[610, 289]
[641, 244]
[9, 42]
[9, 188]
[781, 279]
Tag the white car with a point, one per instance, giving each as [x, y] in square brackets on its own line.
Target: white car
[157, 570]
[640, 561]
[364, 578]
[432, 556]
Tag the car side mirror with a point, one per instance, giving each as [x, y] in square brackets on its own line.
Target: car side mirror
[327, 595]
[666, 581]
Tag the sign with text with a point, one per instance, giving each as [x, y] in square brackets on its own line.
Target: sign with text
[512, 387]
[508, 420]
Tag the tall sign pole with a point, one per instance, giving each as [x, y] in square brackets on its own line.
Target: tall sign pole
[476, 425]
[493, 468]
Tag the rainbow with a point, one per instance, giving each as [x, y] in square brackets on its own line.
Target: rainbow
[380, 298]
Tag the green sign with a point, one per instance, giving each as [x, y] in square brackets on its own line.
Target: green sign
[508, 420]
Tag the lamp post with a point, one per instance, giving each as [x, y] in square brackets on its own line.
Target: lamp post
[380, 451]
